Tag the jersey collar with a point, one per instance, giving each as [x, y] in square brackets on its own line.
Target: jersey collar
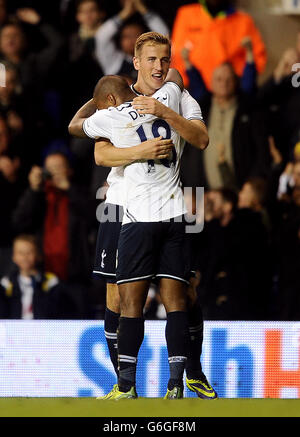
[136, 91]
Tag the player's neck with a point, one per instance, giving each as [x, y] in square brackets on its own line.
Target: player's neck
[141, 88]
[130, 96]
[127, 96]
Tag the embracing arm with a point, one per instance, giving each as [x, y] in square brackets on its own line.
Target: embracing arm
[107, 155]
[174, 76]
[75, 125]
[192, 131]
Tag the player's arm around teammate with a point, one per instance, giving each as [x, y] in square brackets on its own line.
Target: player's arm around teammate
[75, 125]
[193, 131]
[106, 154]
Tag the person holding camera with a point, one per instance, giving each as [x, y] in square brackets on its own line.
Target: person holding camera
[59, 213]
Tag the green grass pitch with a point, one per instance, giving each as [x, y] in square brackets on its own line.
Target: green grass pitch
[142, 407]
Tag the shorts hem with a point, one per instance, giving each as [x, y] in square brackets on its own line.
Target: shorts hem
[176, 278]
[108, 277]
[97, 272]
[139, 278]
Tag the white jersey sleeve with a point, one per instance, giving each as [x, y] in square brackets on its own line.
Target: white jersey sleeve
[98, 125]
[189, 107]
[174, 95]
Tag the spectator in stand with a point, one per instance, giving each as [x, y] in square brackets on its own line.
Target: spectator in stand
[286, 244]
[12, 147]
[33, 67]
[116, 38]
[197, 86]
[290, 177]
[235, 125]
[3, 12]
[253, 196]
[206, 28]
[36, 71]
[4, 136]
[233, 260]
[60, 213]
[11, 187]
[82, 72]
[280, 95]
[28, 292]
[89, 18]
[20, 116]
[226, 172]
[10, 102]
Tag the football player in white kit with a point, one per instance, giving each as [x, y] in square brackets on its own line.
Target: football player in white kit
[159, 210]
[151, 241]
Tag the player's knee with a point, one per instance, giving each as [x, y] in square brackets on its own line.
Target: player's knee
[178, 304]
[114, 305]
[191, 296]
[130, 304]
[113, 298]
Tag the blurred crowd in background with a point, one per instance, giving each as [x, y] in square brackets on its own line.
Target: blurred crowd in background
[248, 254]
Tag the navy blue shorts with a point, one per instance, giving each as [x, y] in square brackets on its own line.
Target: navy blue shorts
[107, 243]
[156, 249]
[191, 249]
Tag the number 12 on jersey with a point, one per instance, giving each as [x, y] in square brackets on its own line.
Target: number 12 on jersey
[155, 126]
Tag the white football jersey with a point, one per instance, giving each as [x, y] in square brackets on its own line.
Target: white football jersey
[151, 188]
[189, 109]
[115, 180]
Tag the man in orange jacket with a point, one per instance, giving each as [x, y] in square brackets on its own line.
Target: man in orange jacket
[214, 30]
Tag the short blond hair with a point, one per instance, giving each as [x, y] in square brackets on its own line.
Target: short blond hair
[151, 38]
